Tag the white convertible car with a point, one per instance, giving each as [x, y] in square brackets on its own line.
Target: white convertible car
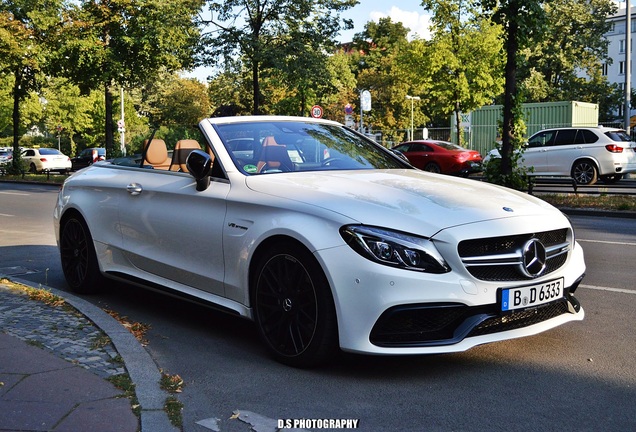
[323, 238]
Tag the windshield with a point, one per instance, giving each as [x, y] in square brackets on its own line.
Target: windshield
[283, 146]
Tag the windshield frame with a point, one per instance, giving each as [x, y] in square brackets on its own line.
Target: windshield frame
[309, 145]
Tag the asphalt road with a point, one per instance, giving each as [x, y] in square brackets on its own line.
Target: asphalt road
[578, 377]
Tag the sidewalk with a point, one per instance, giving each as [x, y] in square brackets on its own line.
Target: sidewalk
[55, 363]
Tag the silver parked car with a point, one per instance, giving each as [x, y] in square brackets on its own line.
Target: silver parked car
[587, 154]
[324, 238]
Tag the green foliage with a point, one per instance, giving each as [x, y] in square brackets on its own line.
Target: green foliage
[292, 43]
[466, 63]
[127, 42]
[572, 41]
[379, 57]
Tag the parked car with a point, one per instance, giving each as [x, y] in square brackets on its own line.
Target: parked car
[45, 160]
[441, 157]
[586, 154]
[88, 157]
[6, 156]
[325, 239]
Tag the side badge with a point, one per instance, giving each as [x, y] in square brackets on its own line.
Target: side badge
[508, 209]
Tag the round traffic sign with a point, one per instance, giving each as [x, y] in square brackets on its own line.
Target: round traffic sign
[316, 111]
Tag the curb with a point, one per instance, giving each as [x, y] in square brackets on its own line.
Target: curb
[141, 368]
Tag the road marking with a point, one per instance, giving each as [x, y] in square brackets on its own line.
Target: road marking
[619, 290]
[6, 215]
[14, 193]
[607, 242]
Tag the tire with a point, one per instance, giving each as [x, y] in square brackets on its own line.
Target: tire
[32, 168]
[585, 172]
[293, 306]
[79, 260]
[432, 167]
[611, 179]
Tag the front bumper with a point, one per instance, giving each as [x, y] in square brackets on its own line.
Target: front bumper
[427, 325]
[384, 310]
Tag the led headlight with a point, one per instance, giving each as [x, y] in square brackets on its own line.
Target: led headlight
[394, 248]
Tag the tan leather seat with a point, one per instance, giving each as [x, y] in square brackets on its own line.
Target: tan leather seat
[274, 156]
[157, 154]
[182, 150]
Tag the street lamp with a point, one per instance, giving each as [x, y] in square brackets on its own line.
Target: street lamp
[412, 98]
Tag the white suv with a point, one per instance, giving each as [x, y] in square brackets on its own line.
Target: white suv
[587, 154]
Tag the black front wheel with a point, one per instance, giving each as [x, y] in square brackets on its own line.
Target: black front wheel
[79, 260]
[293, 306]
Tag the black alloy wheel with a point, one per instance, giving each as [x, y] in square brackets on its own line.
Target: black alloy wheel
[584, 172]
[293, 306]
[79, 260]
[432, 167]
[611, 179]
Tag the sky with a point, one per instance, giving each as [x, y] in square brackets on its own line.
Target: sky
[409, 12]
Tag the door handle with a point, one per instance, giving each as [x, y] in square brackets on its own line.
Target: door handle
[134, 189]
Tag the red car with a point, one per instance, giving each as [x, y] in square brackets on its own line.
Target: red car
[441, 157]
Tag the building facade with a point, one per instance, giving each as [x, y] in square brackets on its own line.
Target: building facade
[616, 70]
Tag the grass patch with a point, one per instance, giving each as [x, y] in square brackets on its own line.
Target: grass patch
[598, 202]
[136, 328]
[173, 407]
[124, 383]
[35, 343]
[36, 178]
[44, 296]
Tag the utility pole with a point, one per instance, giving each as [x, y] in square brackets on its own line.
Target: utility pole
[628, 63]
[412, 99]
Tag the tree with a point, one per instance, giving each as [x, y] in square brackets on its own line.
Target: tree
[270, 33]
[570, 52]
[129, 43]
[380, 58]
[28, 33]
[465, 58]
[175, 101]
[523, 21]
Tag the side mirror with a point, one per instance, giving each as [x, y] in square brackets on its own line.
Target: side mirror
[199, 165]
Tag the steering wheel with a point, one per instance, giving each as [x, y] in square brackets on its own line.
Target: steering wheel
[330, 160]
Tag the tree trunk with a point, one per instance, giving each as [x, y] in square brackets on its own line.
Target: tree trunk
[458, 124]
[17, 85]
[509, 99]
[256, 88]
[17, 89]
[110, 140]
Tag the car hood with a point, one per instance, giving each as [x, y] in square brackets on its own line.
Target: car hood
[407, 200]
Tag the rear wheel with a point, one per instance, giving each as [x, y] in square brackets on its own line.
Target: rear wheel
[79, 260]
[611, 179]
[293, 306]
[585, 172]
[432, 167]
[32, 168]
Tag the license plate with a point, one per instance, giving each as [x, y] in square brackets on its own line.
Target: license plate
[532, 295]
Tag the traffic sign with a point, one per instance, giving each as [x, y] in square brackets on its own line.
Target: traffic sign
[365, 100]
[316, 111]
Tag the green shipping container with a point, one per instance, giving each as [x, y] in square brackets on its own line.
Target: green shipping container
[483, 132]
